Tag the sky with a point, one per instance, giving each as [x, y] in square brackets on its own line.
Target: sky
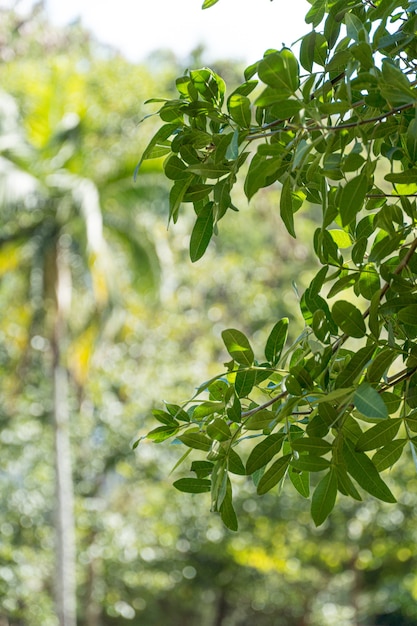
[237, 29]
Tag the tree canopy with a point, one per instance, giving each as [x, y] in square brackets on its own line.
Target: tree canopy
[333, 409]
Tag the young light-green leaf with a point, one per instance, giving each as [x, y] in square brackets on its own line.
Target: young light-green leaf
[238, 346]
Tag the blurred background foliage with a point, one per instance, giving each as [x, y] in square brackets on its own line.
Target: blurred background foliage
[142, 327]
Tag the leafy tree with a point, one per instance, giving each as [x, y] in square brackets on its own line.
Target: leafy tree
[337, 129]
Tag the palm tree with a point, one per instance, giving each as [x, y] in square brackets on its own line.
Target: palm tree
[50, 215]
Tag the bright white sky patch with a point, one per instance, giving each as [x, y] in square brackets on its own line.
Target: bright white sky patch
[237, 29]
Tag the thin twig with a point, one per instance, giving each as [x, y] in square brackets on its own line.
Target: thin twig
[363, 122]
[271, 401]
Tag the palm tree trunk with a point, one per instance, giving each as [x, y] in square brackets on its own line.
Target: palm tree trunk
[64, 498]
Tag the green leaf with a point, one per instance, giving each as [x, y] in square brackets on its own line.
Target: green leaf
[379, 435]
[301, 481]
[286, 206]
[355, 367]
[345, 485]
[209, 170]
[313, 50]
[276, 341]
[348, 318]
[219, 430]
[244, 382]
[369, 281]
[315, 15]
[313, 445]
[175, 169]
[207, 408]
[161, 433]
[368, 402]
[176, 196]
[324, 498]
[196, 440]
[196, 192]
[238, 346]
[193, 485]
[201, 233]
[274, 474]
[280, 70]
[389, 454]
[352, 198]
[408, 315]
[201, 468]
[261, 420]
[404, 178]
[310, 463]
[235, 464]
[341, 238]
[239, 109]
[227, 512]
[380, 365]
[361, 468]
[264, 451]
[158, 139]
[411, 141]
[209, 3]
[177, 412]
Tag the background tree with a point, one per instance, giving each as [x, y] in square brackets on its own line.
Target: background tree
[143, 549]
[337, 129]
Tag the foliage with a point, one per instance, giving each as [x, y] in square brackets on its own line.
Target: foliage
[337, 128]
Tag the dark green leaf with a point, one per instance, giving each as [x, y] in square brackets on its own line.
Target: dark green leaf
[286, 207]
[324, 498]
[276, 341]
[354, 368]
[352, 198]
[193, 485]
[348, 318]
[235, 464]
[380, 364]
[301, 481]
[389, 454]
[244, 382]
[313, 445]
[379, 435]
[263, 452]
[361, 468]
[274, 474]
[227, 512]
[201, 233]
[310, 463]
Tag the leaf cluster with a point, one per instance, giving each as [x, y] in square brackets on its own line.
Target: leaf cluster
[335, 128]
